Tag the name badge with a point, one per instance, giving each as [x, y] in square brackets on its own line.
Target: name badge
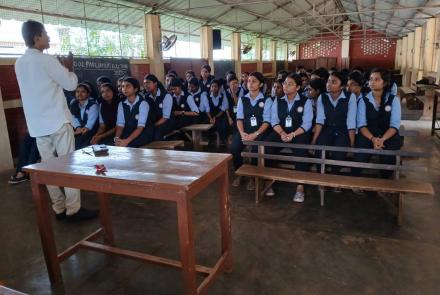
[160, 105]
[136, 117]
[197, 99]
[253, 121]
[182, 106]
[288, 122]
[235, 109]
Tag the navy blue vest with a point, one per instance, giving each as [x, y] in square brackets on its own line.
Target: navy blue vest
[130, 117]
[252, 111]
[109, 113]
[197, 98]
[156, 106]
[214, 110]
[231, 102]
[296, 113]
[183, 103]
[76, 112]
[336, 117]
[378, 122]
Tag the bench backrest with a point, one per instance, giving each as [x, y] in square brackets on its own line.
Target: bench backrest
[324, 160]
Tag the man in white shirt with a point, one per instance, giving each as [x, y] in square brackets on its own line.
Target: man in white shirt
[41, 79]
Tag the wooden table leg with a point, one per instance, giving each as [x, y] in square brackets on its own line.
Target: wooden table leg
[225, 218]
[187, 248]
[104, 215]
[40, 196]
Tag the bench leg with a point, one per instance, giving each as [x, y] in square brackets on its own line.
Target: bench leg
[321, 193]
[258, 189]
[399, 208]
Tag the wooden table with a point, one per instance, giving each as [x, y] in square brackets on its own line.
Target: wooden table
[175, 176]
[196, 133]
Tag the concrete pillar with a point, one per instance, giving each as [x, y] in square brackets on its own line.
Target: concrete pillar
[345, 49]
[6, 162]
[273, 56]
[236, 52]
[206, 46]
[286, 55]
[404, 52]
[259, 53]
[428, 60]
[153, 38]
[417, 67]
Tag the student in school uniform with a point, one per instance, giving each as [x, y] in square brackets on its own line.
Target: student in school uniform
[378, 120]
[205, 78]
[354, 84]
[168, 78]
[233, 93]
[317, 87]
[291, 120]
[277, 89]
[216, 108]
[99, 81]
[200, 100]
[185, 110]
[336, 118]
[108, 109]
[305, 81]
[244, 81]
[188, 76]
[253, 121]
[133, 127]
[161, 104]
[84, 116]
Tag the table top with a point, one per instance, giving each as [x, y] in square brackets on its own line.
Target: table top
[198, 127]
[171, 168]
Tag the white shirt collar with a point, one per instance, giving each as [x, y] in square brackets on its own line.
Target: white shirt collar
[126, 101]
[297, 97]
[259, 96]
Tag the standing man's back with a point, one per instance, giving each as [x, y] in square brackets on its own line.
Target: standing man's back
[41, 79]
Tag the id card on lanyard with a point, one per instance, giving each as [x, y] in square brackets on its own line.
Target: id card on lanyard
[288, 122]
[253, 121]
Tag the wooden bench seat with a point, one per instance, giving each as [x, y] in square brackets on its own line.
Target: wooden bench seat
[164, 145]
[396, 187]
[337, 181]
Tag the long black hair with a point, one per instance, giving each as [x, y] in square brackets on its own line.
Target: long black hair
[153, 78]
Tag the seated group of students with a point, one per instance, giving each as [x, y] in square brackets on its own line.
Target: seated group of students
[324, 108]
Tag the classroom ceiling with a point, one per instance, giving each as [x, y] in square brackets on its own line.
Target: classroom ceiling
[298, 21]
[293, 21]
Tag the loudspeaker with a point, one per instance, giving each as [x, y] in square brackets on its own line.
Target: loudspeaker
[216, 39]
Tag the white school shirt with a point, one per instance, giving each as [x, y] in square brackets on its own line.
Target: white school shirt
[41, 79]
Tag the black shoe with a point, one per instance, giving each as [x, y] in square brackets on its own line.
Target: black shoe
[61, 216]
[83, 214]
[14, 179]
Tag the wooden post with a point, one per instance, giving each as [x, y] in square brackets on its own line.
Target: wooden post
[273, 56]
[429, 38]
[206, 46]
[259, 53]
[345, 49]
[236, 52]
[398, 57]
[321, 189]
[153, 37]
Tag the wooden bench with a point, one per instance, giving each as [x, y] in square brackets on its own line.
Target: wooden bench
[196, 133]
[395, 186]
[164, 145]
[406, 92]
